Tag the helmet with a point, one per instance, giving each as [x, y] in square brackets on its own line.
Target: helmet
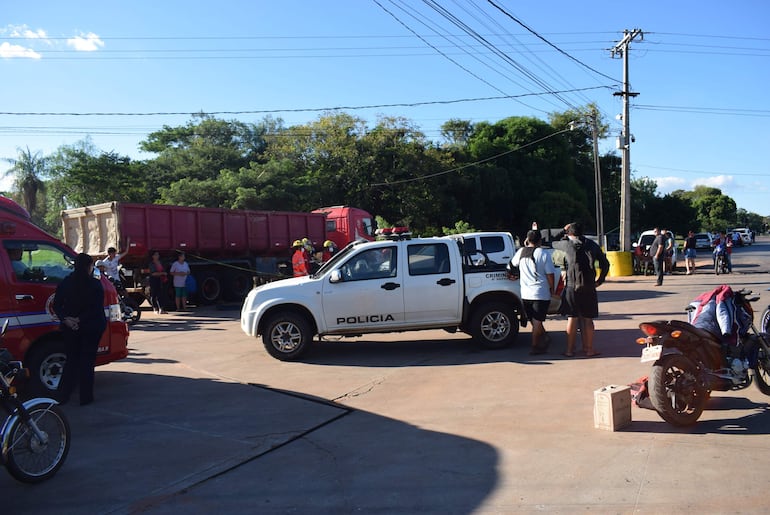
[305, 240]
[297, 243]
[328, 243]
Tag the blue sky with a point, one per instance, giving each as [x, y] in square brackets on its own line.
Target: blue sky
[701, 72]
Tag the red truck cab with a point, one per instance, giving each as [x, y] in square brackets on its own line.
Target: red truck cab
[32, 264]
[346, 224]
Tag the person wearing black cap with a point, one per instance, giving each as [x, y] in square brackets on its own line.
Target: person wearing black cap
[579, 301]
[536, 272]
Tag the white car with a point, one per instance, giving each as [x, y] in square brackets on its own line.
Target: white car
[646, 239]
[499, 247]
[745, 234]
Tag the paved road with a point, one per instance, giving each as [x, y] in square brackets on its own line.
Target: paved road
[199, 419]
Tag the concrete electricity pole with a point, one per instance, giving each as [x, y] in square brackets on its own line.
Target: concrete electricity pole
[624, 143]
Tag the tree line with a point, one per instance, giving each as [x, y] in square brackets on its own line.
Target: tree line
[487, 176]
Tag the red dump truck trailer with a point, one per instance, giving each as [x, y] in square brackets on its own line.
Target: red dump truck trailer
[226, 249]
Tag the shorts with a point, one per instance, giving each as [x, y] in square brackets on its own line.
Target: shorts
[690, 253]
[536, 309]
[180, 292]
[583, 303]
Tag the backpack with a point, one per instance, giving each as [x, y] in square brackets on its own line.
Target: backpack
[582, 274]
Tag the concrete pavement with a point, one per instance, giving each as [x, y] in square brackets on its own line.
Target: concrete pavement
[198, 419]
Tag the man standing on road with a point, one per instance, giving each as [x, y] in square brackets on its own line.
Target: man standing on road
[658, 256]
[536, 271]
[579, 300]
[690, 252]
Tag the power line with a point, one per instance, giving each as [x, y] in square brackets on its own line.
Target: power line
[760, 113]
[457, 169]
[578, 61]
[296, 110]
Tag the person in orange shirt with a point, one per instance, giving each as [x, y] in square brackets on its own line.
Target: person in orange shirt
[299, 262]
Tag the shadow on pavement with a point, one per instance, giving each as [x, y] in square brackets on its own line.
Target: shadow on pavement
[167, 444]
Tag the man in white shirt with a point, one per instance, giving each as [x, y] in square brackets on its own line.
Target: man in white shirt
[112, 261]
[536, 272]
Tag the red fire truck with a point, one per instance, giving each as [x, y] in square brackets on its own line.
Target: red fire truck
[32, 263]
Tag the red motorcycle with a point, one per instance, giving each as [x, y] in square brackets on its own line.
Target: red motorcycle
[690, 362]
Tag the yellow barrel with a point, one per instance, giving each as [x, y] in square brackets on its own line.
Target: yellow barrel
[621, 264]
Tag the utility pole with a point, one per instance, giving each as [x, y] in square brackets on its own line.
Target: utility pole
[598, 180]
[621, 49]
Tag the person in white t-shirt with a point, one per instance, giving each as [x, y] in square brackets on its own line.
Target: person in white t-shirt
[180, 269]
[536, 273]
[112, 261]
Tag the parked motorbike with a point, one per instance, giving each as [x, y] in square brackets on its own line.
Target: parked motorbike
[689, 363]
[35, 436]
[128, 306]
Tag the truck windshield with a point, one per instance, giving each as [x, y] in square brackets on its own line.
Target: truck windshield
[38, 262]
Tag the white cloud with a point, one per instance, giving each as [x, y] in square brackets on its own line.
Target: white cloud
[86, 42]
[669, 184]
[9, 51]
[719, 181]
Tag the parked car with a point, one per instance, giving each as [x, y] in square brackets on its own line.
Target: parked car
[745, 234]
[704, 241]
[646, 239]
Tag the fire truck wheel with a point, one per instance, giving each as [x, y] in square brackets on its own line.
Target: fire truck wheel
[46, 365]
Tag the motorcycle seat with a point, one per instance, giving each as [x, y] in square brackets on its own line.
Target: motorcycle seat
[701, 333]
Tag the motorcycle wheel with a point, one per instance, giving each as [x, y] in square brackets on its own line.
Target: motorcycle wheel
[762, 371]
[136, 312]
[675, 391]
[31, 461]
[764, 322]
[717, 264]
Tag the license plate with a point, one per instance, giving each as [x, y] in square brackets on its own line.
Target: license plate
[651, 353]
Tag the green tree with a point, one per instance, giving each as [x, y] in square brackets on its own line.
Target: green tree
[82, 175]
[714, 210]
[519, 159]
[202, 148]
[28, 170]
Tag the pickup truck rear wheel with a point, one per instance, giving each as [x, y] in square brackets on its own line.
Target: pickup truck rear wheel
[287, 336]
[494, 325]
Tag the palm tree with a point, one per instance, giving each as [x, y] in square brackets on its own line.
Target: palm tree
[27, 169]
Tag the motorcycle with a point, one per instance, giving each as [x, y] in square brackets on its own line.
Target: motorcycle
[128, 306]
[689, 362]
[720, 261]
[35, 436]
[764, 322]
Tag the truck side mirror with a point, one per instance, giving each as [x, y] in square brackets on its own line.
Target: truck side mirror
[335, 277]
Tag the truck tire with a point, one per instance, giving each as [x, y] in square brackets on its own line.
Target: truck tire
[209, 288]
[287, 336]
[45, 363]
[494, 325]
[238, 285]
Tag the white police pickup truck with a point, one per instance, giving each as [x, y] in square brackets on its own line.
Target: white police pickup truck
[398, 284]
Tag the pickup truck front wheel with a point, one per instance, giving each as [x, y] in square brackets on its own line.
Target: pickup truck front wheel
[494, 325]
[287, 336]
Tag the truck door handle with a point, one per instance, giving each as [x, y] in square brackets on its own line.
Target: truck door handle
[446, 281]
[390, 286]
[25, 296]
